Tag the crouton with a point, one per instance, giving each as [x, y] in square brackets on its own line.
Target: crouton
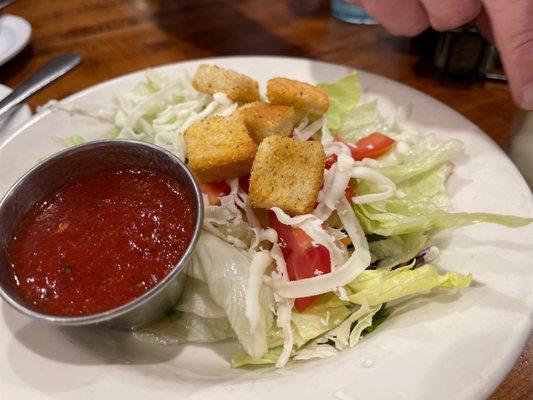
[287, 174]
[212, 79]
[300, 95]
[219, 148]
[265, 119]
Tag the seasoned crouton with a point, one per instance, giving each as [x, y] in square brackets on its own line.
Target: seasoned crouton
[212, 79]
[300, 95]
[219, 148]
[287, 174]
[265, 119]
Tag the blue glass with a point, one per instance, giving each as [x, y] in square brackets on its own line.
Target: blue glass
[350, 13]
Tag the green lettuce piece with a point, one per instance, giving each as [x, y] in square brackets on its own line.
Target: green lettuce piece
[316, 320]
[379, 286]
[224, 269]
[184, 328]
[382, 314]
[397, 224]
[241, 358]
[361, 121]
[113, 133]
[69, 141]
[397, 249]
[196, 299]
[423, 205]
[348, 333]
[313, 322]
[423, 194]
[402, 172]
[344, 95]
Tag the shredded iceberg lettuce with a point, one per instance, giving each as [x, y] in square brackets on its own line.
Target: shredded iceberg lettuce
[156, 110]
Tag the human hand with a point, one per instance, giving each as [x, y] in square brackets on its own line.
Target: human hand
[508, 22]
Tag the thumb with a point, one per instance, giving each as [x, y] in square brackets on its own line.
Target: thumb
[512, 27]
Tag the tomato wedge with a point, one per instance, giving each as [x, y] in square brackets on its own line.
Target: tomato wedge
[244, 183]
[303, 258]
[214, 191]
[371, 146]
[350, 190]
[330, 160]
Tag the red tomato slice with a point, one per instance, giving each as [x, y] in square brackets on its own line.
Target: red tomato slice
[330, 160]
[214, 191]
[244, 182]
[304, 260]
[350, 190]
[371, 146]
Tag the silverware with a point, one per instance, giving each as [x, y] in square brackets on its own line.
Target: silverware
[5, 3]
[48, 73]
[72, 164]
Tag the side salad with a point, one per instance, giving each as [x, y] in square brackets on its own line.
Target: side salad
[300, 286]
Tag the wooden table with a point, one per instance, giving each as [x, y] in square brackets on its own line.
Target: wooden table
[119, 36]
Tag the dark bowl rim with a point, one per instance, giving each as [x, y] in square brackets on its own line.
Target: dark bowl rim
[137, 302]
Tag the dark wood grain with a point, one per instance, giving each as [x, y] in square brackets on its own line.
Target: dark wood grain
[119, 36]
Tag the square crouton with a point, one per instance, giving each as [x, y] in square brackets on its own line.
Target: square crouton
[219, 148]
[212, 79]
[302, 96]
[287, 174]
[265, 119]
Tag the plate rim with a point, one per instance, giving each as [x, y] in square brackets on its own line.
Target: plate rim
[15, 22]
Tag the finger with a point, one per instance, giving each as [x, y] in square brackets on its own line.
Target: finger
[399, 17]
[512, 25]
[483, 24]
[450, 14]
[355, 2]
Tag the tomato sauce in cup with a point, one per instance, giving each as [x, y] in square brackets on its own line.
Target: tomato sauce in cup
[101, 241]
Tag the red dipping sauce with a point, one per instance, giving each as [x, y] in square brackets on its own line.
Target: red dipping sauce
[102, 241]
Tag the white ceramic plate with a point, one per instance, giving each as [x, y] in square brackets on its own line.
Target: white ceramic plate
[445, 346]
[15, 33]
[13, 120]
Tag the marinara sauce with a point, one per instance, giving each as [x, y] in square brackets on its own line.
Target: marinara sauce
[101, 241]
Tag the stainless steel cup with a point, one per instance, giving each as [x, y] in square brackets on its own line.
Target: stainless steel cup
[73, 164]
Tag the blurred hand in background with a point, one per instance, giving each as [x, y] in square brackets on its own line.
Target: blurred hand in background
[509, 23]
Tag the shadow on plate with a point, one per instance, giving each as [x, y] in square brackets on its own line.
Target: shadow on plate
[94, 345]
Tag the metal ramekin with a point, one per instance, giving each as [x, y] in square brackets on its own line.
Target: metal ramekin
[72, 164]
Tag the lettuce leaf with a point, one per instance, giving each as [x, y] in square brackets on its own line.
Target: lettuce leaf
[186, 328]
[69, 141]
[378, 319]
[316, 320]
[240, 358]
[224, 269]
[397, 224]
[195, 299]
[344, 95]
[361, 121]
[423, 204]
[429, 160]
[397, 249]
[349, 332]
[380, 286]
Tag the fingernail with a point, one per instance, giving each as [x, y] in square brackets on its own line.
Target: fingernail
[527, 97]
